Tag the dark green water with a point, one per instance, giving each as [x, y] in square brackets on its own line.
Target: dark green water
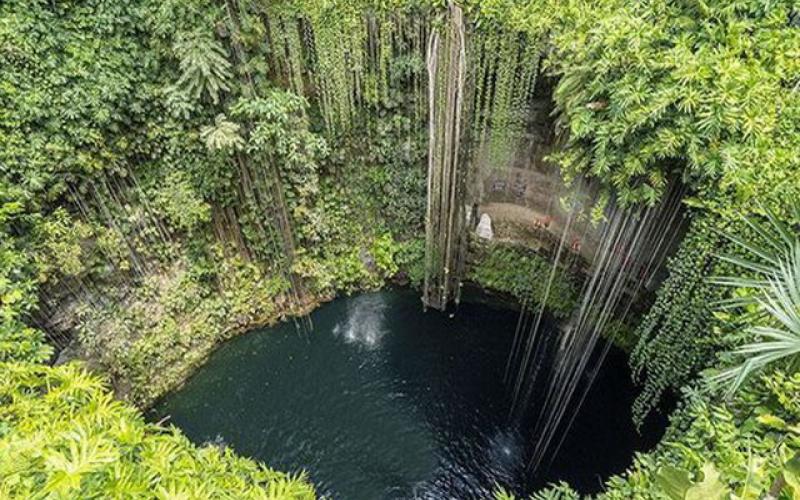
[382, 401]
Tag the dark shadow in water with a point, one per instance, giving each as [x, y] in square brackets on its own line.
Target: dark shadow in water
[382, 400]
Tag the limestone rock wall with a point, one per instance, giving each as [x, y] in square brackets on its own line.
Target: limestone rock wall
[524, 200]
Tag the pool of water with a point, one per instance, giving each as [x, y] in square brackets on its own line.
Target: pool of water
[382, 400]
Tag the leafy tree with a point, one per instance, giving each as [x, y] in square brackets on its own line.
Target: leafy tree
[652, 89]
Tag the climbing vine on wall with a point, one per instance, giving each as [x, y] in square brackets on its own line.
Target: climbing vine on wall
[674, 339]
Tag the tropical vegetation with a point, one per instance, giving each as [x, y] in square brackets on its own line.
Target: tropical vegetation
[173, 172]
[65, 436]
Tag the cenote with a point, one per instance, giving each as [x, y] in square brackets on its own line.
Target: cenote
[383, 400]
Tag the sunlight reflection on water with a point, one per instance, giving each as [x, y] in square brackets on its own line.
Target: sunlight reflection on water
[364, 324]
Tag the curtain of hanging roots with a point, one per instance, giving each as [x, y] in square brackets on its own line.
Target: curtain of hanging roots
[446, 61]
[634, 245]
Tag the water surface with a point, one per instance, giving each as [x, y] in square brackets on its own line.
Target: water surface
[384, 401]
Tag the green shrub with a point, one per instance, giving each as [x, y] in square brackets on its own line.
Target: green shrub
[523, 274]
[745, 444]
[62, 435]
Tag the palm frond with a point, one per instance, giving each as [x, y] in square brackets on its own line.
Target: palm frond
[223, 135]
[778, 338]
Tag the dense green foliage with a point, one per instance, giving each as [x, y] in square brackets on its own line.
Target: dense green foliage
[742, 446]
[674, 341]
[707, 90]
[767, 289]
[18, 342]
[183, 319]
[62, 435]
[155, 166]
[174, 171]
[159, 191]
[523, 274]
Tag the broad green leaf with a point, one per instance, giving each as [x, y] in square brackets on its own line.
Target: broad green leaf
[673, 482]
[710, 487]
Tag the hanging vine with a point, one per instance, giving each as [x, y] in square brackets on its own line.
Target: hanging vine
[674, 339]
[504, 78]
